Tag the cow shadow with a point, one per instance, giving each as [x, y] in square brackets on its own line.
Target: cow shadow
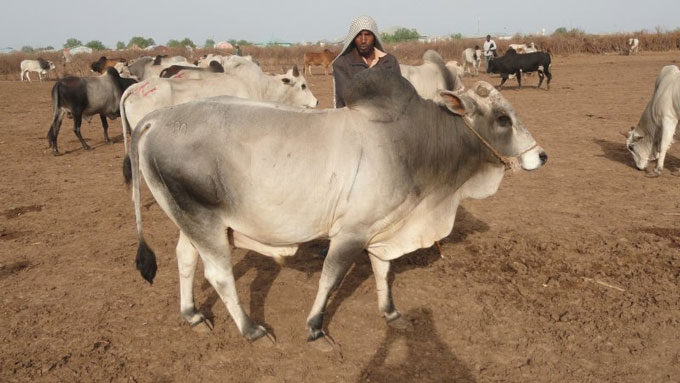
[308, 261]
[428, 358]
[617, 152]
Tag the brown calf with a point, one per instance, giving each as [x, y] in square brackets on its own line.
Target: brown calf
[318, 58]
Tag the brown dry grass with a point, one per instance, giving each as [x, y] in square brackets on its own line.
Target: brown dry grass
[274, 59]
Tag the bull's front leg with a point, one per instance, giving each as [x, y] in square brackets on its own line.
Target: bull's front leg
[341, 255]
[105, 125]
[381, 271]
[77, 121]
[187, 259]
[668, 129]
[519, 78]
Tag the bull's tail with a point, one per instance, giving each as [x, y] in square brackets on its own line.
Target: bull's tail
[51, 133]
[146, 259]
[123, 116]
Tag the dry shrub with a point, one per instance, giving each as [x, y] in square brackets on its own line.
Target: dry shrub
[275, 59]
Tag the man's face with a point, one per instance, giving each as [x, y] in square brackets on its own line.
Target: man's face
[364, 42]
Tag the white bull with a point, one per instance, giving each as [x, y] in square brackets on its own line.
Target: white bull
[383, 176]
[472, 58]
[431, 76]
[653, 135]
[243, 81]
[41, 66]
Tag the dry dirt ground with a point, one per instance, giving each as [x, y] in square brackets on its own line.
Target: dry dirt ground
[567, 274]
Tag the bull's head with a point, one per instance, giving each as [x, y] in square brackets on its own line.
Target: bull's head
[640, 146]
[297, 89]
[494, 118]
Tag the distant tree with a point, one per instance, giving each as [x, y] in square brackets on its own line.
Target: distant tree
[120, 45]
[27, 49]
[174, 44]
[95, 45]
[187, 42]
[141, 42]
[401, 34]
[209, 43]
[48, 48]
[560, 31]
[72, 43]
[457, 36]
[239, 42]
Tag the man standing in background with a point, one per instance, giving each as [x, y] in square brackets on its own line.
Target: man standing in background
[489, 51]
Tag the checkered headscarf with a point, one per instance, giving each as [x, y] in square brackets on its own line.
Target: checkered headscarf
[359, 24]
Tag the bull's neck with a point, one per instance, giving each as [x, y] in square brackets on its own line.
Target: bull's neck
[452, 154]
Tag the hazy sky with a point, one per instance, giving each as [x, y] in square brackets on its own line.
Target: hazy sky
[49, 22]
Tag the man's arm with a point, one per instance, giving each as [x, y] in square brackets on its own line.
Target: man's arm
[340, 81]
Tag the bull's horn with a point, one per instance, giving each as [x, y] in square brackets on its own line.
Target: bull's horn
[624, 134]
[296, 72]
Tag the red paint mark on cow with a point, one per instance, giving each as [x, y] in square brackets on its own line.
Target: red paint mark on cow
[179, 75]
[141, 87]
[148, 92]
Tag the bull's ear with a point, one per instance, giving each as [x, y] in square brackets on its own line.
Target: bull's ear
[458, 103]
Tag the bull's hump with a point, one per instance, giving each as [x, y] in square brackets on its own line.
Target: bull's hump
[386, 91]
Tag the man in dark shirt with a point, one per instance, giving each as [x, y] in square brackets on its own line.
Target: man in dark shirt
[362, 50]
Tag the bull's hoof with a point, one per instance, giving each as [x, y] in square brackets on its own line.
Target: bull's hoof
[399, 322]
[653, 174]
[258, 332]
[87, 147]
[202, 326]
[323, 343]
[55, 153]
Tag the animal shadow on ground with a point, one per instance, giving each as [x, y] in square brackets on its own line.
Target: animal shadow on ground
[7, 270]
[617, 152]
[427, 358]
[308, 261]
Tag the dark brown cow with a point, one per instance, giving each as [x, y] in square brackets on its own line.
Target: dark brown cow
[324, 58]
[103, 63]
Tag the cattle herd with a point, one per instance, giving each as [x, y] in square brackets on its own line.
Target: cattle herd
[227, 148]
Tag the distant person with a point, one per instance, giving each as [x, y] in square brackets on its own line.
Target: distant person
[361, 50]
[489, 51]
[238, 50]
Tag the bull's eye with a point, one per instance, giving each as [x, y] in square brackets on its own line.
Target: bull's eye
[303, 86]
[504, 121]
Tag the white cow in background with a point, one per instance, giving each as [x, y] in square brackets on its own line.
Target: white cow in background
[633, 46]
[41, 66]
[472, 57]
[244, 82]
[653, 135]
[431, 76]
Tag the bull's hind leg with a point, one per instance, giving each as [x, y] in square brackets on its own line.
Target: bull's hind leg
[381, 271]
[209, 238]
[341, 255]
[53, 133]
[187, 259]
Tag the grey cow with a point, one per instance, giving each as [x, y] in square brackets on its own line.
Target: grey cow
[383, 176]
[80, 97]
